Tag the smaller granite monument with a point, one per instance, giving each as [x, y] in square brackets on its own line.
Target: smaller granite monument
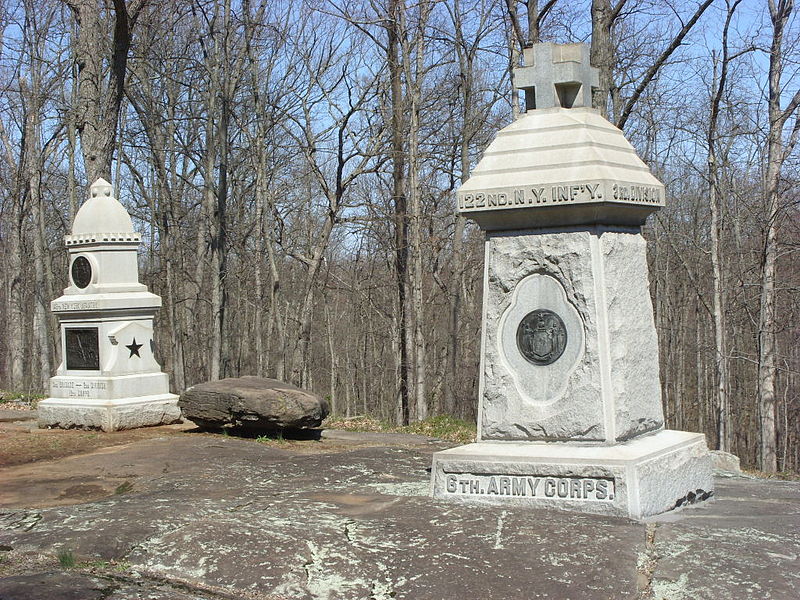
[570, 409]
[108, 378]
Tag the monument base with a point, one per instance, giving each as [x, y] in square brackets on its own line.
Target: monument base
[109, 415]
[645, 476]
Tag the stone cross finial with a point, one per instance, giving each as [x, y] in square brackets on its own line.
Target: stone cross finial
[557, 75]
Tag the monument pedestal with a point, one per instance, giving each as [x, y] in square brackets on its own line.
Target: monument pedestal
[109, 378]
[645, 476]
[604, 385]
[109, 415]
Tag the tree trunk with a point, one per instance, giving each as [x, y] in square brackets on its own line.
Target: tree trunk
[776, 155]
[465, 65]
[393, 28]
[72, 186]
[720, 338]
[602, 52]
[100, 95]
[300, 356]
[767, 345]
[42, 294]
[33, 157]
[415, 74]
[715, 202]
[219, 253]
[334, 366]
[15, 337]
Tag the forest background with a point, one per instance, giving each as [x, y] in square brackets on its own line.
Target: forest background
[292, 166]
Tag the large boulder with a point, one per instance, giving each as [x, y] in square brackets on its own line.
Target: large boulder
[252, 404]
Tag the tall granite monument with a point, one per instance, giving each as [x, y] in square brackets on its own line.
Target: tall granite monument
[108, 378]
[570, 409]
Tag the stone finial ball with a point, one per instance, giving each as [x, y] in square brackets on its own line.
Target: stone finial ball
[101, 188]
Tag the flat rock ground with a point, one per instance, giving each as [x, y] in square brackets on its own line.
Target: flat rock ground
[172, 514]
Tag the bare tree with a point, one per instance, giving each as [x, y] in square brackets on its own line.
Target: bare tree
[414, 67]
[715, 205]
[268, 93]
[604, 56]
[34, 90]
[394, 32]
[466, 52]
[101, 77]
[336, 155]
[777, 152]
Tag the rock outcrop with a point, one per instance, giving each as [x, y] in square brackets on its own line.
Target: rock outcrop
[252, 404]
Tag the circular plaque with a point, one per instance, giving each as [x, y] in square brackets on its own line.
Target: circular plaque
[81, 272]
[541, 337]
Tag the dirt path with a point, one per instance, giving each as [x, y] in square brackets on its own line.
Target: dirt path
[21, 442]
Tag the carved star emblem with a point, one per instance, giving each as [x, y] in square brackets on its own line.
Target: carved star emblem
[134, 348]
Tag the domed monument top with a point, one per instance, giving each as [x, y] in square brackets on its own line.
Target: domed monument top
[101, 216]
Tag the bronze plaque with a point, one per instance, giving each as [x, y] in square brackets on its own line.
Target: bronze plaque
[81, 272]
[83, 350]
[541, 337]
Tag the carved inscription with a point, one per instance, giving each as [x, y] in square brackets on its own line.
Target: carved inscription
[636, 193]
[531, 486]
[83, 349]
[76, 389]
[531, 196]
[76, 305]
[572, 193]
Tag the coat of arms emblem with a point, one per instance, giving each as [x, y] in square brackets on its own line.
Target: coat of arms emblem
[541, 337]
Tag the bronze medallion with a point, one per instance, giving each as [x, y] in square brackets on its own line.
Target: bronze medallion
[81, 272]
[541, 337]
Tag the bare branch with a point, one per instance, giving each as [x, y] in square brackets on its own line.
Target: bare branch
[653, 70]
[512, 14]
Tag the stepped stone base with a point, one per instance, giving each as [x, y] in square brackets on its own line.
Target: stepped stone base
[645, 476]
[109, 415]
